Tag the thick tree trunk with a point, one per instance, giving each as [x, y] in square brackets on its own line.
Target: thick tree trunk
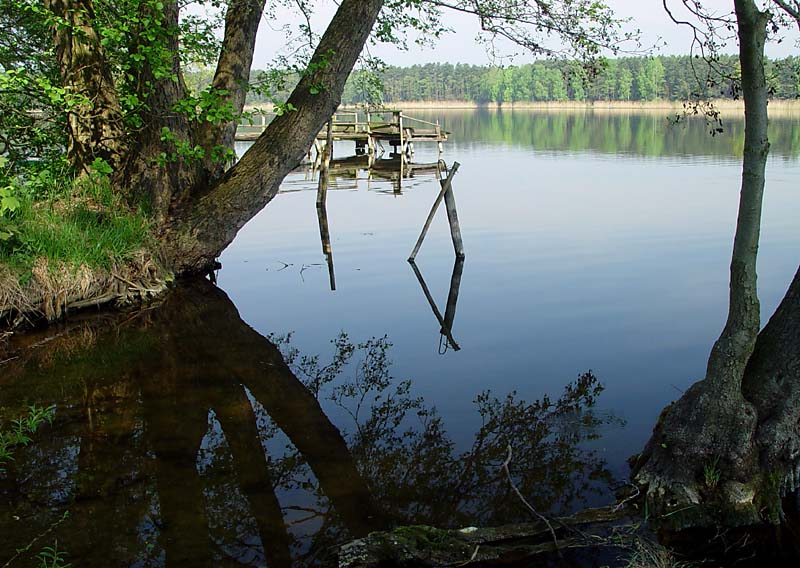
[232, 77]
[201, 228]
[772, 384]
[156, 172]
[94, 120]
[702, 459]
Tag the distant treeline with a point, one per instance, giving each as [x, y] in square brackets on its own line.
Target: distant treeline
[625, 79]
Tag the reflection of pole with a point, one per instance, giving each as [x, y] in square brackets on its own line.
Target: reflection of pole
[446, 322]
[322, 212]
[446, 187]
[452, 297]
[325, 235]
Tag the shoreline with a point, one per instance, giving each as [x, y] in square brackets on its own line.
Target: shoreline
[779, 107]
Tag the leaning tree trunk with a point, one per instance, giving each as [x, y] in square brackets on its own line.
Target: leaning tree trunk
[94, 118]
[202, 227]
[701, 465]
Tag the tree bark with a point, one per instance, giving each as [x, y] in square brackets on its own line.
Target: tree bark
[201, 228]
[232, 76]
[711, 431]
[94, 120]
[155, 172]
[772, 384]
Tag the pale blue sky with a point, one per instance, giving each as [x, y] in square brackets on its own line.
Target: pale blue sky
[461, 47]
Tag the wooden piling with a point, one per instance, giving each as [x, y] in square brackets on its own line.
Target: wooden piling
[329, 144]
[452, 217]
[446, 187]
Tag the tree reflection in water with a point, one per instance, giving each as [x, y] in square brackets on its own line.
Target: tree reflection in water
[183, 437]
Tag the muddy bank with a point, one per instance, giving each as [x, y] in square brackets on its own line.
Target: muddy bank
[51, 291]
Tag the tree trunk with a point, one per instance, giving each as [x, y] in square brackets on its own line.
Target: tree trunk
[232, 77]
[201, 228]
[94, 119]
[156, 171]
[772, 384]
[701, 464]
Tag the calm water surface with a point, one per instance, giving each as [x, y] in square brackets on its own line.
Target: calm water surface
[263, 421]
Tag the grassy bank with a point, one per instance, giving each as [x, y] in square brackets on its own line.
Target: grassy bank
[69, 242]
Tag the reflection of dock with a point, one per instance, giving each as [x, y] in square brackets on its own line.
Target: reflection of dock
[345, 173]
[368, 132]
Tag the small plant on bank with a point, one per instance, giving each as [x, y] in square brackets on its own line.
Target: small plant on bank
[712, 474]
[51, 557]
[21, 430]
[9, 203]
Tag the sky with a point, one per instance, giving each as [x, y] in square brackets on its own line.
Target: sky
[648, 16]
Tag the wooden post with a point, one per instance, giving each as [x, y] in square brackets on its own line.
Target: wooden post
[263, 122]
[446, 187]
[329, 145]
[452, 216]
[402, 143]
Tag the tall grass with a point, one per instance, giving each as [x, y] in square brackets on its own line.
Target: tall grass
[71, 222]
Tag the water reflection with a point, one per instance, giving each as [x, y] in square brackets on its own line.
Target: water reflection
[183, 437]
[351, 172]
[634, 133]
[445, 322]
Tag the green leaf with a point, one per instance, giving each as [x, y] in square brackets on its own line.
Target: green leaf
[9, 203]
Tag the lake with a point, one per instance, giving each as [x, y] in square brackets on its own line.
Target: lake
[309, 398]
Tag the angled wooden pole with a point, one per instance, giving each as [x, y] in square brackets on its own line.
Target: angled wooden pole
[452, 217]
[446, 186]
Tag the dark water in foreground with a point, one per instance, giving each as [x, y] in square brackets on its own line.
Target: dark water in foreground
[264, 421]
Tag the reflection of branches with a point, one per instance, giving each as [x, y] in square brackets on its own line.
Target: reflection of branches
[413, 468]
[184, 398]
[525, 501]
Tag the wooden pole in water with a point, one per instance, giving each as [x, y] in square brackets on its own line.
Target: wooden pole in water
[446, 187]
[329, 145]
[452, 217]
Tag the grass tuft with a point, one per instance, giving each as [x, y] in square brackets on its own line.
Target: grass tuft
[86, 224]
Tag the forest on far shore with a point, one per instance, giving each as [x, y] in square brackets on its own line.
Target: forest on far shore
[626, 79]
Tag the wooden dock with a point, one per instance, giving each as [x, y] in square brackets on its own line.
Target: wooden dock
[368, 130]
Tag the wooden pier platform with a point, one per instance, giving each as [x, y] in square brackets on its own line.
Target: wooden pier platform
[369, 131]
